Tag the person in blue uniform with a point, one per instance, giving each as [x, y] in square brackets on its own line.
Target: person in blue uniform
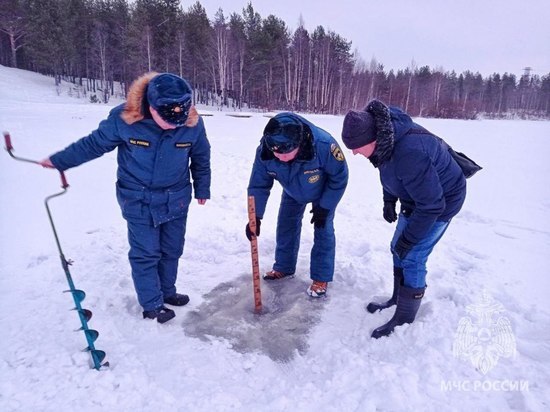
[162, 154]
[311, 168]
[416, 168]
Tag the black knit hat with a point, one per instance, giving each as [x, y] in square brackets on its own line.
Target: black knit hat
[283, 133]
[170, 96]
[359, 129]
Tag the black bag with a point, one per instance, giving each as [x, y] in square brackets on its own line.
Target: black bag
[468, 166]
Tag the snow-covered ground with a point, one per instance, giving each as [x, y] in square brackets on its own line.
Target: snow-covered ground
[300, 355]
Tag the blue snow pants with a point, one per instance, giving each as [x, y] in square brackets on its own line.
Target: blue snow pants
[154, 254]
[414, 264]
[289, 227]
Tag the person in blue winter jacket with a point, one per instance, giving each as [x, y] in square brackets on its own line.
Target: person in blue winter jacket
[162, 144]
[416, 168]
[311, 168]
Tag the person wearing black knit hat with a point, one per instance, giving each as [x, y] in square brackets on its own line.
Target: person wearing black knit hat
[310, 166]
[358, 129]
[157, 121]
[418, 169]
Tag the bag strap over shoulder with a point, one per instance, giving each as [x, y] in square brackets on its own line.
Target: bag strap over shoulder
[468, 166]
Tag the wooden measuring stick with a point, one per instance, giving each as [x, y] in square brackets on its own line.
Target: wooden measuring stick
[254, 255]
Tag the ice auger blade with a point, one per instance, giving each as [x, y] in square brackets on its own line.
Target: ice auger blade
[91, 334]
[86, 313]
[78, 295]
[97, 358]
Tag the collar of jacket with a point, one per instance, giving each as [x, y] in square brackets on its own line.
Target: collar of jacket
[137, 107]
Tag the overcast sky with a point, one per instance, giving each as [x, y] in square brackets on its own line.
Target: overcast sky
[479, 35]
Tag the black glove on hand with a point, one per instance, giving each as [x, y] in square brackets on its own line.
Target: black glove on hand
[402, 247]
[319, 218]
[390, 215]
[249, 234]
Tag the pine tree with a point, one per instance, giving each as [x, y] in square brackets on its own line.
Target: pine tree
[13, 23]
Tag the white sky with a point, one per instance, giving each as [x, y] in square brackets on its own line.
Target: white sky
[479, 35]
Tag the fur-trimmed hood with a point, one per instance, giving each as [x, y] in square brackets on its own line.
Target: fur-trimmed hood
[391, 123]
[384, 132]
[137, 106]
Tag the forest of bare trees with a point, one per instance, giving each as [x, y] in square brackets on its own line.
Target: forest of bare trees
[242, 60]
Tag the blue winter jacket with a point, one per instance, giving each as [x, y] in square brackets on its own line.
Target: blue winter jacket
[319, 174]
[422, 174]
[154, 165]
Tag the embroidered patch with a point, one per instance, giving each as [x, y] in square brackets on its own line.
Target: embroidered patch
[313, 179]
[337, 152]
[138, 142]
[308, 172]
[183, 145]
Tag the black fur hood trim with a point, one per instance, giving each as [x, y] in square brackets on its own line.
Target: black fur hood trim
[384, 132]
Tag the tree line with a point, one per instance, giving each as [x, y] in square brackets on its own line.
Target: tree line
[242, 60]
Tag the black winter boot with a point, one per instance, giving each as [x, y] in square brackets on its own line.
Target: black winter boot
[161, 314]
[397, 282]
[177, 300]
[408, 302]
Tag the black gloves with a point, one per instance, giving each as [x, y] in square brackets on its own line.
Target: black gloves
[249, 234]
[402, 247]
[390, 215]
[319, 218]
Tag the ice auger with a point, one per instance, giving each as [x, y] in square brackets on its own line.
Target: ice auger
[78, 295]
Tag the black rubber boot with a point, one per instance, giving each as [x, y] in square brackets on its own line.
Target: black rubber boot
[397, 282]
[161, 314]
[408, 302]
[177, 300]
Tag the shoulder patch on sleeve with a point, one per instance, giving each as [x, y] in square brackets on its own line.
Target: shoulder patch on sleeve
[337, 152]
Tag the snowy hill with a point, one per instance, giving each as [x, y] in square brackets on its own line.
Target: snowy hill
[301, 355]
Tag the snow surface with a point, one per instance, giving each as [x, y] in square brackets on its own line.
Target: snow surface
[301, 355]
